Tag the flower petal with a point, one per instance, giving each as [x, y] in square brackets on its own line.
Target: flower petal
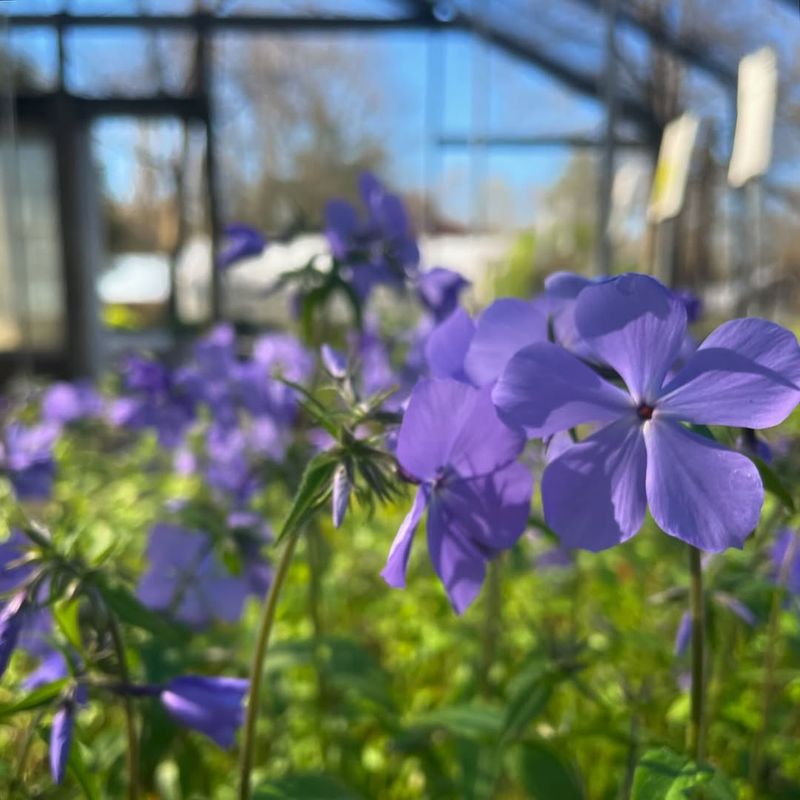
[435, 415]
[746, 373]
[762, 341]
[60, 740]
[634, 324]
[683, 635]
[447, 345]
[492, 510]
[394, 573]
[449, 424]
[505, 327]
[484, 444]
[699, 491]
[594, 493]
[544, 389]
[458, 562]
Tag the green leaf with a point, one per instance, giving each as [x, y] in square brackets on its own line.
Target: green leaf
[65, 613]
[662, 774]
[35, 699]
[314, 487]
[84, 777]
[703, 430]
[545, 774]
[313, 407]
[773, 484]
[130, 611]
[530, 693]
[310, 785]
[468, 721]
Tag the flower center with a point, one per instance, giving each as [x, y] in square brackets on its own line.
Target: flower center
[645, 411]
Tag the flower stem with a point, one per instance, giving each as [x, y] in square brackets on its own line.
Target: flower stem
[770, 657]
[695, 733]
[257, 665]
[130, 720]
[491, 624]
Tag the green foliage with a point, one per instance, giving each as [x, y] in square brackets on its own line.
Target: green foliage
[662, 774]
[563, 685]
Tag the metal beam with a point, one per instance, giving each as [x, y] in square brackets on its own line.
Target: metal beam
[581, 82]
[160, 106]
[540, 140]
[256, 23]
[697, 53]
[421, 19]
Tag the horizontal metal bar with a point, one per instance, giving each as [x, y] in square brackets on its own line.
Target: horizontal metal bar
[240, 22]
[187, 107]
[544, 140]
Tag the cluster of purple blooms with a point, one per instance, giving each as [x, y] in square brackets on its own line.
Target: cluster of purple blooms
[210, 705]
[609, 359]
[228, 416]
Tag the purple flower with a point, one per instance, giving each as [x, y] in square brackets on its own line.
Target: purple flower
[503, 328]
[28, 459]
[477, 496]
[155, 398]
[448, 345]
[745, 374]
[785, 557]
[373, 358]
[51, 668]
[229, 470]
[187, 579]
[561, 290]
[212, 706]
[379, 250]
[684, 632]
[61, 739]
[63, 403]
[12, 570]
[752, 444]
[11, 619]
[691, 302]
[284, 354]
[240, 241]
[438, 290]
[334, 362]
[341, 494]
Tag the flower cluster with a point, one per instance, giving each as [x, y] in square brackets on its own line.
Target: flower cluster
[611, 358]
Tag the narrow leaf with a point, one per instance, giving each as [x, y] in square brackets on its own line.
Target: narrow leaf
[35, 699]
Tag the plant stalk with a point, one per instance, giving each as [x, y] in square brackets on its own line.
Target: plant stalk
[770, 658]
[696, 729]
[257, 665]
[130, 720]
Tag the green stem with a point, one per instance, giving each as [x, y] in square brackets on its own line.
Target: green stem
[697, 610]
[130, 720]
[314, 546]
[18, 781]
[491, 625]
[770, 657]
[257, 665]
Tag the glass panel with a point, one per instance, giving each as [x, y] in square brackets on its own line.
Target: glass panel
[34, 57]
[32, 313]
[154, 62]
[153, 193]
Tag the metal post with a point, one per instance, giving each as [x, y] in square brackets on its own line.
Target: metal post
[753, 233]
[434, 109]
[605, 256]
[204, 77]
